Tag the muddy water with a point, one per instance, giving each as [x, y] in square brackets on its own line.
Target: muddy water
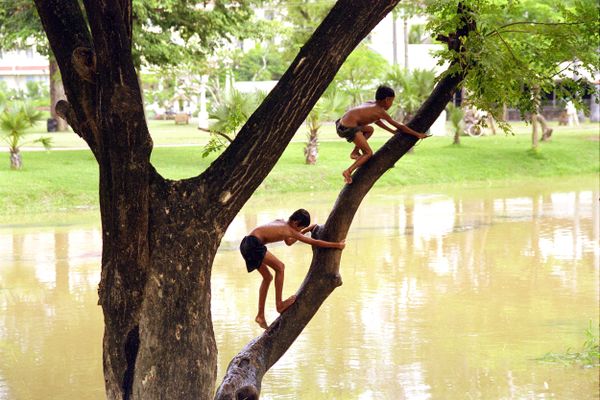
[447, 294]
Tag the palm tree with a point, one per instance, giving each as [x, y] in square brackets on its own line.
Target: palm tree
[330, 106]
[13, 124]
[228, 116]
[412, 88]
[456, 115]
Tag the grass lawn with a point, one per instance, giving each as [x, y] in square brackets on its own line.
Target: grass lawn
[66, 180]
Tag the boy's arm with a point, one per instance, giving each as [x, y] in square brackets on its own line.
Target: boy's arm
[406, 129]
[384, 126]
[401, 127]
[317, 242]
[308, 229]
[290, 240]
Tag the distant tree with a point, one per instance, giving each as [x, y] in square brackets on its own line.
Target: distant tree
[301, 18]
[455, 116]
[417, 34]
[228, 116]
[362, 72]
[14, 122]
[412, 88]
[261, 63]
[330, 106]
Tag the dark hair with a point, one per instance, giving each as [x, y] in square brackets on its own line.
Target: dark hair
[302, 217]
[383, 92]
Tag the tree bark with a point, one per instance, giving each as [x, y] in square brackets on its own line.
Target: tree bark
[311, 151]
[16, 162]
[57, 93]
[456, 137]
[535, 136]
[159, 236]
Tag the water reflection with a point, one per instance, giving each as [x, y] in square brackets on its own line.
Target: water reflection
[445, 296]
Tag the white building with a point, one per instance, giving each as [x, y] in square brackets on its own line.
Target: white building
[22, 66]
[412, 56]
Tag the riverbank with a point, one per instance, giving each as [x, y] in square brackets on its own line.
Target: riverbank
[68, 180]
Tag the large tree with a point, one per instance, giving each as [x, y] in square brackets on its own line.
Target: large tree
[160, 236]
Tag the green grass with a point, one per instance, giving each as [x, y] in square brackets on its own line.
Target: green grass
[67, 180]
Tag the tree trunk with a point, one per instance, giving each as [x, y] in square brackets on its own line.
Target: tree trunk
[546, 130]
[57, 93]
[534, 132]
[492, 124]
[456, 137]
[311, 151]
[534, 118]
[16, 161]
[159, 236]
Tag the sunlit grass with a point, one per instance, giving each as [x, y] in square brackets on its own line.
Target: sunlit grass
[64, 180]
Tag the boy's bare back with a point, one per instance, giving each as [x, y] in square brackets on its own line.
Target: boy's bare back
[364, 114]
[274, 231]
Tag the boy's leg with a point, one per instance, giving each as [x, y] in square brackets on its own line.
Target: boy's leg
[278, 267]
[367, 132]
[361, 142]
[262, 295]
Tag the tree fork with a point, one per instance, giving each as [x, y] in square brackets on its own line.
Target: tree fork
[160, 237]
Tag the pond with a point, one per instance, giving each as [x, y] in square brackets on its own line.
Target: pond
[449, 293]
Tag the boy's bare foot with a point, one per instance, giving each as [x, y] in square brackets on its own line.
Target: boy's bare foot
[347, 177]
[261, 322]
[286, 303]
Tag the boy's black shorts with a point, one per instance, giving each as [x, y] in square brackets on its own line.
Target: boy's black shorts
[346, 132]
[253, 252]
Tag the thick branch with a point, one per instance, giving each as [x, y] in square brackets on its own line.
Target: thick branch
[245, 372]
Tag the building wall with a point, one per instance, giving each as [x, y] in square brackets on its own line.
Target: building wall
[420, 56]
[19, 67]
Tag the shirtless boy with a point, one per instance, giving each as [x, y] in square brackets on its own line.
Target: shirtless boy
[257, 256]
[355, 127]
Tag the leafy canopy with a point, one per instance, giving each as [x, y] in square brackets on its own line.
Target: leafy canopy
[166, 32]
[520, 45]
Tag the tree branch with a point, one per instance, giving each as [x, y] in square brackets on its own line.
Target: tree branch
[508, 47]
[68, 34]
[539, 23]
[245, 371]
[217, 133]
[119, 93]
